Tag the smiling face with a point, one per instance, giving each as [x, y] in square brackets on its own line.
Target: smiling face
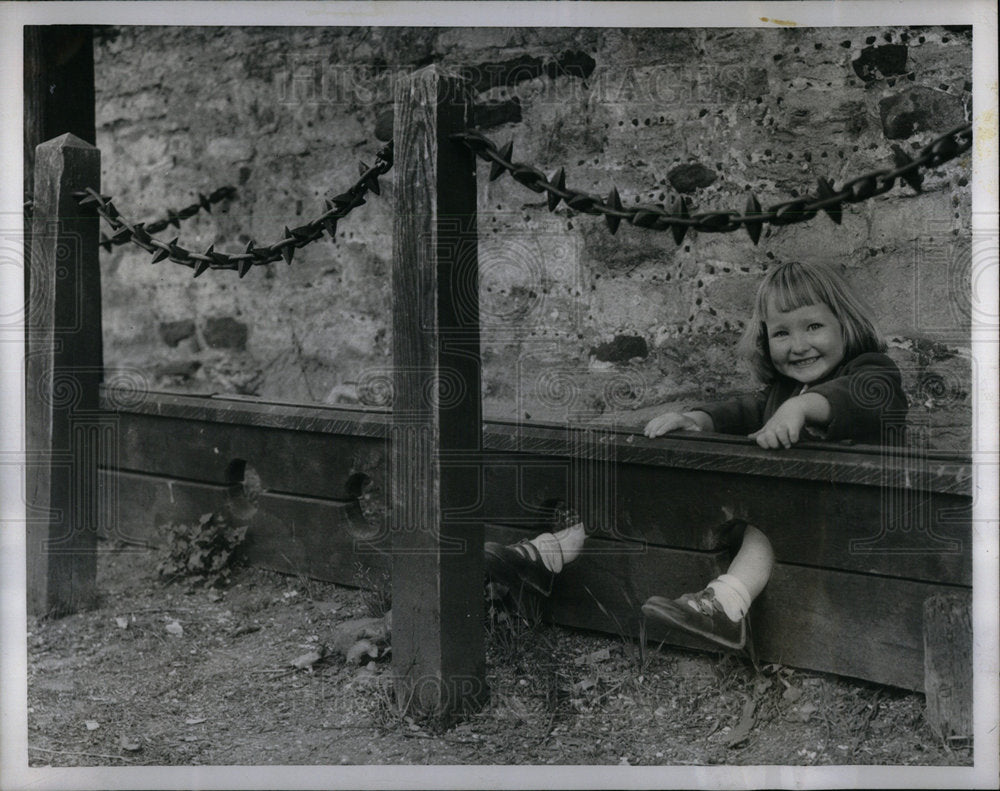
[806, 343]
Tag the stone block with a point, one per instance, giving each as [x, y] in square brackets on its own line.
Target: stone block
[225, 333]
[173, 332]
[920, 109]
[622, 349]
[690, 177]
[879, 62]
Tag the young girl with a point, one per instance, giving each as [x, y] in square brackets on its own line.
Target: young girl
[815, 346]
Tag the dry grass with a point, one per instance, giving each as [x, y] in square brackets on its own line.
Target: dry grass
[555, 695]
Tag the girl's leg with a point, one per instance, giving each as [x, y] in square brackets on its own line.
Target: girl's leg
[747, 574]
[559, 548]
[718, 613]
[535, 562]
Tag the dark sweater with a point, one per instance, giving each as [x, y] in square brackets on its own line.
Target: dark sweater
[865, 393]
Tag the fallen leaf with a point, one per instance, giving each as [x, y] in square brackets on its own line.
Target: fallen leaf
[517, 708]
[792, 694]
[584, 684]
[592, 658]
[122, 622]
[195, 721]
[745, 725]
[307, 660]
[360, 651]
[92, 725]
[175, 628]
[128, 744]
[802, 713]
[347, 633]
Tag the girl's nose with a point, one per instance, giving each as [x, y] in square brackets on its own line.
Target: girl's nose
[800, 343]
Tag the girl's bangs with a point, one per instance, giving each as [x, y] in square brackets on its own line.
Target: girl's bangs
[793, 288]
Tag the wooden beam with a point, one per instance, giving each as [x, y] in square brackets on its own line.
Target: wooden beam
[948, 664]
[437, 553]
[58, 97]
[58, 87]
[947, 472]
[68, 438]
[332, 466]
[826, 523]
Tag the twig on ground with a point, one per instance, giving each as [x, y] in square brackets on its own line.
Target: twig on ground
[163, 609]
[604, 694]
[89, 755]
[862, 729]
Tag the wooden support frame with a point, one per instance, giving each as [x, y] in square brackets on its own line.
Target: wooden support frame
[67, 437]
[309, 521]
[437, 554]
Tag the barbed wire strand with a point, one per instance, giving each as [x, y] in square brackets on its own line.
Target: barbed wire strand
[337, 208]
[752, 219]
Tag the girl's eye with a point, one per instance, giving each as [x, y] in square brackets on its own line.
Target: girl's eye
[815, 326]
[779, 333]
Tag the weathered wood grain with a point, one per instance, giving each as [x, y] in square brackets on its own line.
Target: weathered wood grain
[834, 525]
[58, 98]
[304, 536]
[860, 625]
[287, 460]
[948, 664]
[896, 531]
[837, 463]
[140, 508]
[64, 365]
[247, 411]
[438, 649]
[603, 590]
[937, 471]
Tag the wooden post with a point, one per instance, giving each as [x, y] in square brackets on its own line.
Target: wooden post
[948, 664]
[58, 96]
[65, 435]
[437, 568]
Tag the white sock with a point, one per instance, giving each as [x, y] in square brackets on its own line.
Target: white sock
[558, 549]
[732, 594]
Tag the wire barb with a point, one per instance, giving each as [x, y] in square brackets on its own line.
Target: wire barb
[827, 198]
[141, 234]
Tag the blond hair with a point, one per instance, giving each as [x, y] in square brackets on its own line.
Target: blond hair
[793, 285]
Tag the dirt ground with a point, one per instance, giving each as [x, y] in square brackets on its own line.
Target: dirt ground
[169, 674]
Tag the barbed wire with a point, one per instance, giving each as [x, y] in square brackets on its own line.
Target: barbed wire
[337, 208]
[173, 217]
[752, 219]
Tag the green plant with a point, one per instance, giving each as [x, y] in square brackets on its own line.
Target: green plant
[204, 551]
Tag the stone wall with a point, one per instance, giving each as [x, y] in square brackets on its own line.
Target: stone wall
[575, 321]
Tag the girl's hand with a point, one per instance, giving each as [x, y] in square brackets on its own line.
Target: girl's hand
[784, 427]
[671, 421]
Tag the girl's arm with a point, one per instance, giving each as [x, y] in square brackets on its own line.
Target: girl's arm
[867, 396]
[857, 404]
[735, 415]
[786, 424]
[678, 421]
